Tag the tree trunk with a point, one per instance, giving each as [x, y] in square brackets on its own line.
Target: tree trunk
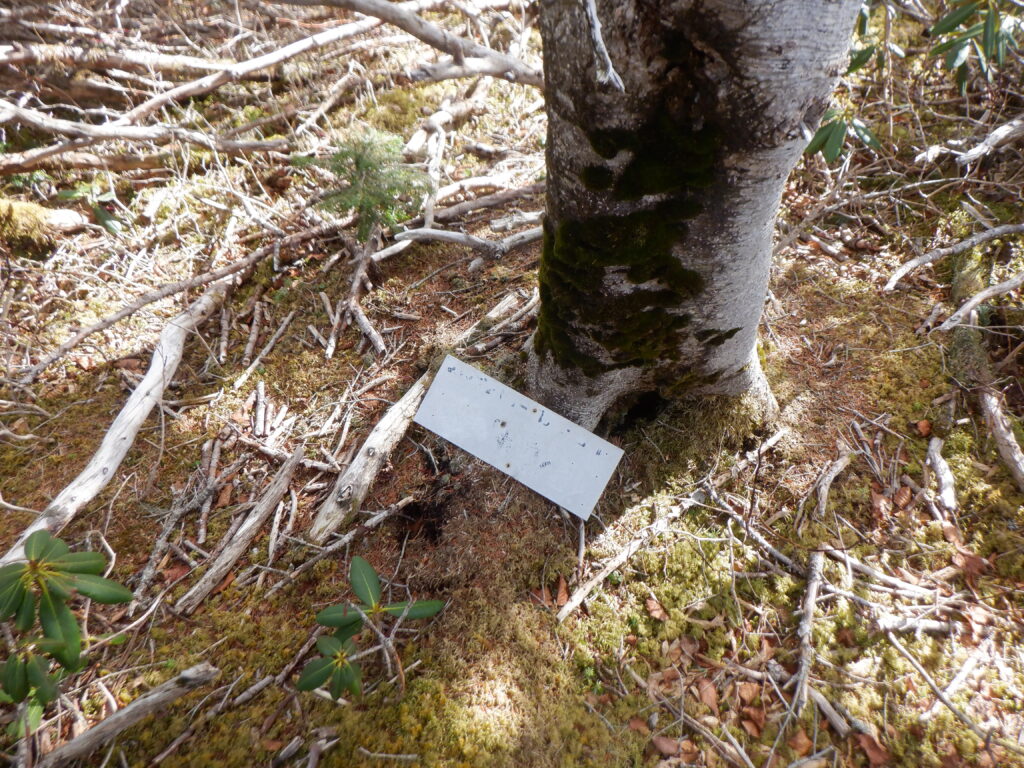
[661, 198]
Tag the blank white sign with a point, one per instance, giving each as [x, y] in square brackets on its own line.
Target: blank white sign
[544, 451]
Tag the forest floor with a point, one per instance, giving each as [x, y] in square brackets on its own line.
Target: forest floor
[696, 647]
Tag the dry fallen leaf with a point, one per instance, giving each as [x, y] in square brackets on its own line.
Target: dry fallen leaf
[708, 694]
[752, 728]
[563, 592]
[665, 745]
[748, 692]
[688, 751]
[877, 754]
[756, 714]
[881, 506]
[655, 609]
[637, 724]
[800, 743]
[224, 497]
[903, 497]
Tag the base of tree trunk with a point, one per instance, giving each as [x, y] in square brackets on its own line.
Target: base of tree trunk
[589, 401]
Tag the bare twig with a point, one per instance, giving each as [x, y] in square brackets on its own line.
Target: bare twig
[951, 250]
[147, 704]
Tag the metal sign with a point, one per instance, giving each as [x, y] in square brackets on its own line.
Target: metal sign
[542, 450]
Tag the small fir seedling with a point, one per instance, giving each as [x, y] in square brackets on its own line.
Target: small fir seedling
[335, 668]
[379, 187]
[40, 588]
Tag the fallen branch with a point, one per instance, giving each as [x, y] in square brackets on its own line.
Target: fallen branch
[987, 737]
[972, 303]
[244, 376]
[1002, 433]
[944, 480]
[98, 58]
[342, 542]
[651, 532]
[149, 703]
[940, 253]
[242, 538]
[952, 250]
[354, 483]
[267, 60]
[121, 435]
[1001, 136]
[157, 134]
[170, 289]
[63, 157]
[503, 65]
[814, 568]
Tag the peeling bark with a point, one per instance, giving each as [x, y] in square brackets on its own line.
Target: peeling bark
[661, 198]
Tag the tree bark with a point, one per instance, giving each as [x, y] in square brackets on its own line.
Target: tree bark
[661, 198]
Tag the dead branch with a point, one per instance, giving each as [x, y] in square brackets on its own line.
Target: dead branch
[121, 435]
[149, 703]
[951, 250]
[63, 157]
[1002, 433]
[981, 297]
[944, 479]
[267, 60]
[321, 231]
[354, 483]
[238, 544]
[463, 50]
[244, 376]
[986, 736]
[814, 568]
[99, 58]
[1001, 136]
[340, 544]
[114, 131]
[645, 537]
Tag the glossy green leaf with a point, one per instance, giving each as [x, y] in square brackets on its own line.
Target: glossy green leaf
[990, 37]
[351, 678]
[346, 633]
[15, 678]
[364, 581]
[345, 678]
[315, 674]
[59, 624]
[954, 19]
[859, 58]
[819, 138]
[957, 56]
[26, 612]
[421, 609]
[101, 590]
[10, 574]
[80, 562]
[11, 596]
[865, 134]
[45, 685]
[962, 73]
[329, 645]
[60, 584]
[42, 544]
[34, 716]
[834, 143]
[106, 220]
[339, 616]
[954, 42]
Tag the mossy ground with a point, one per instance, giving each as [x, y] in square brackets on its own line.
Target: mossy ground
[494, 680]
